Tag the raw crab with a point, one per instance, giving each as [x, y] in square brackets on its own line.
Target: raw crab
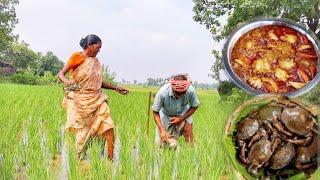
[282, 156]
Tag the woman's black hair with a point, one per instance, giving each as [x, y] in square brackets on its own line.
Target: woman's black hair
[89, 40]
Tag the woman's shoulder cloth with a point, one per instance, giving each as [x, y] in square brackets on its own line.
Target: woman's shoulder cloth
[76, 59]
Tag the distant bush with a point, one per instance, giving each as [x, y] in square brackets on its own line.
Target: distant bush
[225, 88]
[32, 79]
[228, 91]
[25, 78]
[238, 95]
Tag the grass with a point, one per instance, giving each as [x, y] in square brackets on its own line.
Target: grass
[33, 144]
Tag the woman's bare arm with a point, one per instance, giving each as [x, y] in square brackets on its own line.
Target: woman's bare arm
[107, 85]
[120, 90]
[62, 73]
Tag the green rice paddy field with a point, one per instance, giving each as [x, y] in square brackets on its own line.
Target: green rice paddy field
[33, 144]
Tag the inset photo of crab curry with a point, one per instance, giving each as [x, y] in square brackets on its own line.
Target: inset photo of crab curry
[274, 59]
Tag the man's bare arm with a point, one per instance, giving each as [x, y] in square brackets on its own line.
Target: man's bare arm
[189, 113]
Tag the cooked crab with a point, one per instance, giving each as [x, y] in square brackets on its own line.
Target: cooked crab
[275, 59]
[304, 47]
[261, 66]
[303, 75]
[287, 63]
[242, 62]
[281, 74]
[269, 84]
[255, 82]
[296, 85]
[289, 38]
[272, 36]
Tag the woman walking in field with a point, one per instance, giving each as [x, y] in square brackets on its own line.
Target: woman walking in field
[88, 114]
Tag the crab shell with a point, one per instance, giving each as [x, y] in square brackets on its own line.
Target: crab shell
[247, 128]
[260, 152]
[268, 112]
[282, 156]
[297, 120]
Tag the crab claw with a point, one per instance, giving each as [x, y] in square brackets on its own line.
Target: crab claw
[243, 154]
[255, 82]
[307, 56]
[272, 36]
[242, 62]
[289, 38]
[269, 84]
[313, 70]
[301, 142]
[303, 38]
[304, 47]
[296, 85]
[302, 75]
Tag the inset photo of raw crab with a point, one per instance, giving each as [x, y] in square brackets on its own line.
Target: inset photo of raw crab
[273, 136]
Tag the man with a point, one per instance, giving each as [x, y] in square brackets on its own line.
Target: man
[173, 106]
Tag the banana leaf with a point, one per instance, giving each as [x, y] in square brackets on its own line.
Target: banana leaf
[240, 171]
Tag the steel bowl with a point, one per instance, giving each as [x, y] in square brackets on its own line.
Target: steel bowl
[260, 22]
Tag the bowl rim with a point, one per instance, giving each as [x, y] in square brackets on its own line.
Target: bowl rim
[260, 22]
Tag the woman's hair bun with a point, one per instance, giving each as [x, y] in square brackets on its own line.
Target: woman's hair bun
[89, 40]
[82, 42]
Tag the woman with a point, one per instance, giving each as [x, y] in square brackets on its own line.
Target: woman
[88, 114]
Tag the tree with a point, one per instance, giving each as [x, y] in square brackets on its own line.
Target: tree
[8, 20]
[49, 62]
[21, 56]
[208, 12]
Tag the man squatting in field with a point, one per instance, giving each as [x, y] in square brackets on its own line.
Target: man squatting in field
[173, 106]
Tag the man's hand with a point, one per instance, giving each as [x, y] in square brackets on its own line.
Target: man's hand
[122, 90]
[164, 135]
[176, 120]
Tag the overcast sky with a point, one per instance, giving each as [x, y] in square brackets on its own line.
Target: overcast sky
[141, 38]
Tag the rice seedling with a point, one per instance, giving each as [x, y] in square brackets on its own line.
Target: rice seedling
[34, 144]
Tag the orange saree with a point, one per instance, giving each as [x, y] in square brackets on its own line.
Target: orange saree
[87, 111]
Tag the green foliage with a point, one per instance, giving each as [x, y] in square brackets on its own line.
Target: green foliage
[21, 56]
[209, 12]
[49, 62]
[108, 75]
[313, 96]
[225, 88]
[8, 20]
[32, 79]
[217, 66]
[238, 96]
[228, 91]
[25, 78]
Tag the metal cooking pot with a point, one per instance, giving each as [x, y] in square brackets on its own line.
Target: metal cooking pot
[259, 22]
